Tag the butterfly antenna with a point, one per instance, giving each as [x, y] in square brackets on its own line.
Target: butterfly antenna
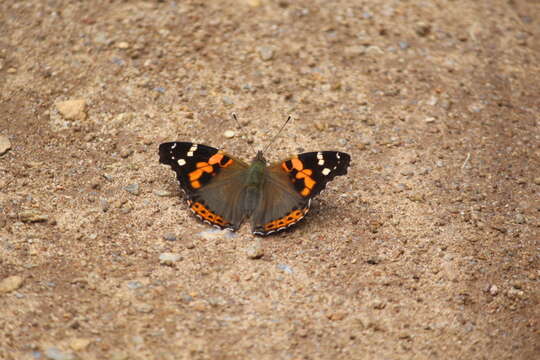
[277, 134]
[242, 130]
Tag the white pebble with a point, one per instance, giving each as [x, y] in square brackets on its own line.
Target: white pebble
[169, 258]
[229, 134]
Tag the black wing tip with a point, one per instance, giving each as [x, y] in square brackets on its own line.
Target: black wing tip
[165, 153]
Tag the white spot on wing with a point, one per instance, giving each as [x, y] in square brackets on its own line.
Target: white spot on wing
[320, 158]
[326, 171]
[192, 149]
[337, 155]
[181, 162]
[173, 146]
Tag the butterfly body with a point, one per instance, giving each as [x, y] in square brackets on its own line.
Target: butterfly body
[224, 191]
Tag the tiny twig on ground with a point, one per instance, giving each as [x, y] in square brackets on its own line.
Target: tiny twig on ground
[466, 160]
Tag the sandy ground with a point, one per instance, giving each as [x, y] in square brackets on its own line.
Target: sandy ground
[428, 248]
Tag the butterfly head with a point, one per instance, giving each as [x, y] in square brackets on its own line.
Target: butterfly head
[259, 157]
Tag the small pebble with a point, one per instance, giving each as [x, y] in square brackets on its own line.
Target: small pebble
[104, 205]
[216, 234]
[424, 171]
[32, 216]
[5, 144]
[417, 197]
[170, 237]
[493, 290]
[162, 193]
[336, 315]
[476, 107]
[403, 45]
[254, 3]
[229, 134]
[378, 304]
[407, 172]
[132, 189]
[134, 284]
[520, 219]
[439, 163]
[125, 153]
[10, 283]
[54, 353]
[422, 29]
[266, 53]
[72, 109]
[228, 100]
[255, 250]
[355, 50]
[169, 258]
[285, 268]
[79, 344]
[144, 308]
[537, 180]
[122, 45]
[199, 305]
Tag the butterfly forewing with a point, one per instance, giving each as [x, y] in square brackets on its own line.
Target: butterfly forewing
[209, 196]
[290, 186]
[310, 172]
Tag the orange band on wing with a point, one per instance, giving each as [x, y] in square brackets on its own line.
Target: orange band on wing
[287, 220]
[202, 167]
[297, 164]
[208, 215]
[218, 159]
[309, 183]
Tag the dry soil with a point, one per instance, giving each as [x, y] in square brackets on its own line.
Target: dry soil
[427, 249]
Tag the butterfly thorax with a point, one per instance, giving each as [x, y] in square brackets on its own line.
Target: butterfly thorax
[255, 173]
[254, 183]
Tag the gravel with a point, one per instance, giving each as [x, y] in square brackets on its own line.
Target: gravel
[11, 283]
[170, 237]
[169, 258]
[54, 353]
[255, 250]
[132, 189]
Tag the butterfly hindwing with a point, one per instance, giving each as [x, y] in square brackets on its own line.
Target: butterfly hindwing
[281, 205]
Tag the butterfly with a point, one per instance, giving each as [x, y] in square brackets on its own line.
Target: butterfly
[224, 191]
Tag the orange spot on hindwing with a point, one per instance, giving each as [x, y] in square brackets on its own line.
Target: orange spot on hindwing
[293, 217]
[205, 214]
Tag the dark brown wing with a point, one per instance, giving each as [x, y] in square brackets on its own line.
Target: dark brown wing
[211, 179]
[291, 184]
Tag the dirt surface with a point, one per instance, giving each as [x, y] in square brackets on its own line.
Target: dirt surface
[428, 248]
